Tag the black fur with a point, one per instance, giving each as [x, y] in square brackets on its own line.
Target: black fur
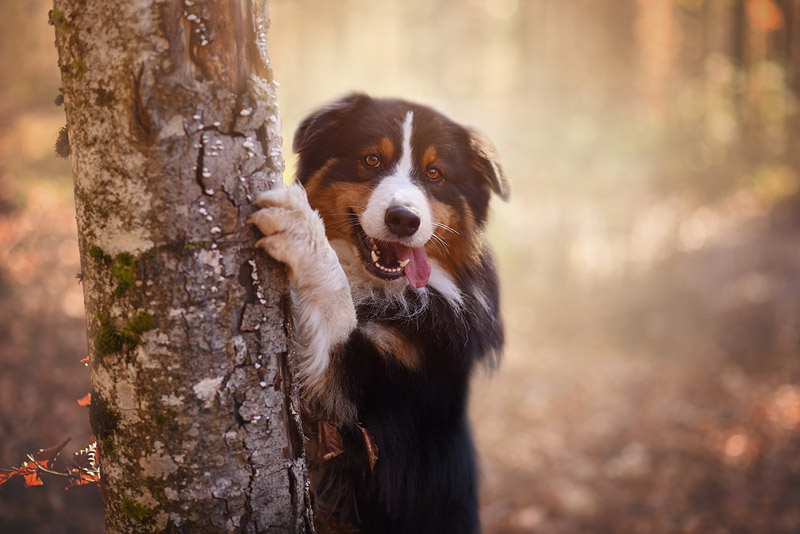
[425, 479]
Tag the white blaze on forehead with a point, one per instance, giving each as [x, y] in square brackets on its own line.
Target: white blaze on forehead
[398, 189]
[405, 165]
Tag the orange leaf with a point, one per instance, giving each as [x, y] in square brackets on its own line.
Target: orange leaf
[5, 477]
[85, 361]
[32, 479]
[372, 448]
[25, 470]
[329, 442]
[78, 477]
[86, 400]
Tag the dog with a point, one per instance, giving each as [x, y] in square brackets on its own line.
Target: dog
[395, 300]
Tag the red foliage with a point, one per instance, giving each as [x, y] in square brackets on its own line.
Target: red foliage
[30, 470]
[83, 470]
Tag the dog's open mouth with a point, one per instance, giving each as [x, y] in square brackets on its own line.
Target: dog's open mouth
[390, 260]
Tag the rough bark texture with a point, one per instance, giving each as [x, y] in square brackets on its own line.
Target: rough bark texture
[174, 128]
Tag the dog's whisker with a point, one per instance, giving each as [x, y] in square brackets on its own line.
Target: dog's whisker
[344, 224]
[440, 238]
[445, 227]
[439, 242]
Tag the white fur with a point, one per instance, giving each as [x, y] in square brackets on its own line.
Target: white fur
[442, 282]
[322, 306]
[398, 189]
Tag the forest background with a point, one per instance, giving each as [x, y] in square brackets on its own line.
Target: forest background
[650, 254]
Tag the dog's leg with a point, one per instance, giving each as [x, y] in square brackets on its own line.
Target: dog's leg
[323, 308]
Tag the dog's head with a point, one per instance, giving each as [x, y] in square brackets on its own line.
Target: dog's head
[402, 183]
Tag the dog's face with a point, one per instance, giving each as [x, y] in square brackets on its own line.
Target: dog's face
[403, 184]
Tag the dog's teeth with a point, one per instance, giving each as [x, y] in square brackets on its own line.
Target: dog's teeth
[374, 257]
[404, 263]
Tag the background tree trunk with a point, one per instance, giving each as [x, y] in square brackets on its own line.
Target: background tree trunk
[173, 126]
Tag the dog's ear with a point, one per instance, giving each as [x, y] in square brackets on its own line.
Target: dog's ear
[324, 120]
[487, 162]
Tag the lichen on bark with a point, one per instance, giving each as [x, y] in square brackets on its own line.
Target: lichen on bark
[173, 129]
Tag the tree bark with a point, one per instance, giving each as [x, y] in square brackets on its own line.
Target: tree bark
[173, 127]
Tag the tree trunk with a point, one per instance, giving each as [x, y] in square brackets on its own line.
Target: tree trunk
[174, 128]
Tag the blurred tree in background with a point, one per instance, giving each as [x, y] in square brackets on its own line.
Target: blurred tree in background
[649, 255]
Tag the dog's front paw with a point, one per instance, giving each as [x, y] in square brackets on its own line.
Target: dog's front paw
[293, 233]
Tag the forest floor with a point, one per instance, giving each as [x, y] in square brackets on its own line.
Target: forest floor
[664, 402]
[667, 402]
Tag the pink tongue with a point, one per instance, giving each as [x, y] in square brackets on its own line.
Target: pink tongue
[418, 269]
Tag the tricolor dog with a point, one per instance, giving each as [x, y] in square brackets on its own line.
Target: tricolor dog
[395, 301]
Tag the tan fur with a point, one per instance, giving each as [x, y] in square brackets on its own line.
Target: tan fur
[386, 148]
[335, 201]
[430, 157]
[392, 344]
[461, 246]
[315, 182]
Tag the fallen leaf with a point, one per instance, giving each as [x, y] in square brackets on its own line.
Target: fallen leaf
[329, 442]
[372, 448]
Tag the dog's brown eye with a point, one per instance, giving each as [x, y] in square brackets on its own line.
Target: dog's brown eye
[433, 173]
[372, 160]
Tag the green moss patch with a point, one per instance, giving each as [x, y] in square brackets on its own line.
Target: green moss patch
[107, 339]
[135, 511]
[99, 254]
[141, 323]
[74, 70]
[78, 69]
[58, 18]
[124, 270]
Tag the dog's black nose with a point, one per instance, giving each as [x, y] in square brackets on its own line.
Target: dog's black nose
[401, 221]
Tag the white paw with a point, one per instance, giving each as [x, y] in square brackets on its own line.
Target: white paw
[293, 233]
